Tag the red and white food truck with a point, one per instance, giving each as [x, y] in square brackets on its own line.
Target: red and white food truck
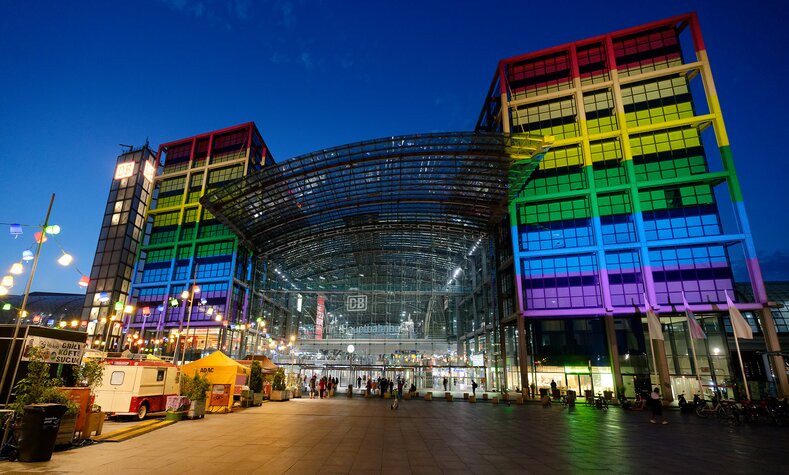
[136, 387]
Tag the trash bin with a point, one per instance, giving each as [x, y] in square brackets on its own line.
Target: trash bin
[40, 424]
[571, 397]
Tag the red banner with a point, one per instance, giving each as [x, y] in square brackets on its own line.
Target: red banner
[319, 315]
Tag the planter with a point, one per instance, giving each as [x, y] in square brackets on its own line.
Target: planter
[407, 396]
[196, 409]
[428, 396]
[495, 399]
[448, 397]
[174, 415]
[94, 422]
[296, 393]
[280, 395]
[257, 399]
[68, 425]
[472, 398]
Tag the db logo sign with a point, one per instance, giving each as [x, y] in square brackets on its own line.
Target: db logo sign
[356, 303]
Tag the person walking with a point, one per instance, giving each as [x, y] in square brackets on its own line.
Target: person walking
[358, 382]
[445, 384]
[657, 407]
[313, 382]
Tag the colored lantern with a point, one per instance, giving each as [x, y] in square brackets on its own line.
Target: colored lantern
[65, 259]
[128, 309]
[16, 230]
[119, 305]
[40, 237]
[146, 311]
[27, 255]
[84, 281]
[6, 306]
[104, 297]
[54, 229]
[3, 291]
[17, 268]
[8, 281]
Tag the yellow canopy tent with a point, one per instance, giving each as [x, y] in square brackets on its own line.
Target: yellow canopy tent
[224, 374]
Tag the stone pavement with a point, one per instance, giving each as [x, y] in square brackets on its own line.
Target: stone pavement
[305, 436]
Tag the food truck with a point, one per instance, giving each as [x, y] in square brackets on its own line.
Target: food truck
[133, 387]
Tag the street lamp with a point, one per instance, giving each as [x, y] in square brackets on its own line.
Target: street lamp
[187, 297]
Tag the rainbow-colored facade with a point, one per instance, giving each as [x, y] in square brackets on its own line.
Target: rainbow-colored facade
[185, 245]
[625, 202]
[633, 199]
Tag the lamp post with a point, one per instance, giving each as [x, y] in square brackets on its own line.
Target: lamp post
[186, 296]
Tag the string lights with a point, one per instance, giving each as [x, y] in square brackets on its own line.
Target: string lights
[39, 237]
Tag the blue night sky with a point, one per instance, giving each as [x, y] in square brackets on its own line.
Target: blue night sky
[79, 78]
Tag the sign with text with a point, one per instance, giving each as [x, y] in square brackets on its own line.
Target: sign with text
[55, 351]
[220, 395]
[356, 303]
[124, 170]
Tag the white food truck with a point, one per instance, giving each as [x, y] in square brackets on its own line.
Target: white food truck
[136, 387]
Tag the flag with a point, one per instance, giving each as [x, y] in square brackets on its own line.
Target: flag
[695, 329]
[653, 323]
[741, 327]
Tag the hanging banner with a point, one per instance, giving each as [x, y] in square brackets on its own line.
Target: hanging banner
[56, 351]
[319, 315]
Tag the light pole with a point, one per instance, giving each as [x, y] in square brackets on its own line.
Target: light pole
[186, 296]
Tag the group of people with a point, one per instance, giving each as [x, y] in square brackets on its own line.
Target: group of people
[323, 387]
[382, 385]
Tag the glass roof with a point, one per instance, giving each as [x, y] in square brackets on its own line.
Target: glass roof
[405, 208]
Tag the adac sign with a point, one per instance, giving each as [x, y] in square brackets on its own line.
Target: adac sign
[206, 370]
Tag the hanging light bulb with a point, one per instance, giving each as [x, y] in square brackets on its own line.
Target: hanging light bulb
[3, 291]
[8, 281]
[27, 255]
[17, 268]
[65, 259]
[16, 230]
[84, 281]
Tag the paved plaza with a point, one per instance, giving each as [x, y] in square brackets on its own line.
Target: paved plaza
[305, 436]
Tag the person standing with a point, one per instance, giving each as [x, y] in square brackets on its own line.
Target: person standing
[400, 384]
[657, 407]
[473, 387]
[358, 382]
[445, 384]
[313, 382]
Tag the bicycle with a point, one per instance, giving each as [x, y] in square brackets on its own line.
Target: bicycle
[600, 402]
[8, 447]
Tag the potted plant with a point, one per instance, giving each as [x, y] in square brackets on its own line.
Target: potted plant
[37, 387]
[89, 375]
[195, 388]
[256, 383]
[278, 389]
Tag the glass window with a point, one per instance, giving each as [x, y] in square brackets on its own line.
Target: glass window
[116, 378]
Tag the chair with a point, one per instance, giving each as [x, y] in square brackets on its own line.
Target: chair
[589, 397]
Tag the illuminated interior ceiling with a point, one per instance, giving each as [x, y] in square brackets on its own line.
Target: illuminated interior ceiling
[392, 214]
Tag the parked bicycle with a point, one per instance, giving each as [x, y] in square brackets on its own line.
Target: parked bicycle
[600, 402]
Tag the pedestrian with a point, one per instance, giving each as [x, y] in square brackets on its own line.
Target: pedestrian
[445, 384]
[553, 385]
[657, 407]
[322, 386]
[313, 382]
[473, 387]
[358, 381]
[400, 384]
[369, 386]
